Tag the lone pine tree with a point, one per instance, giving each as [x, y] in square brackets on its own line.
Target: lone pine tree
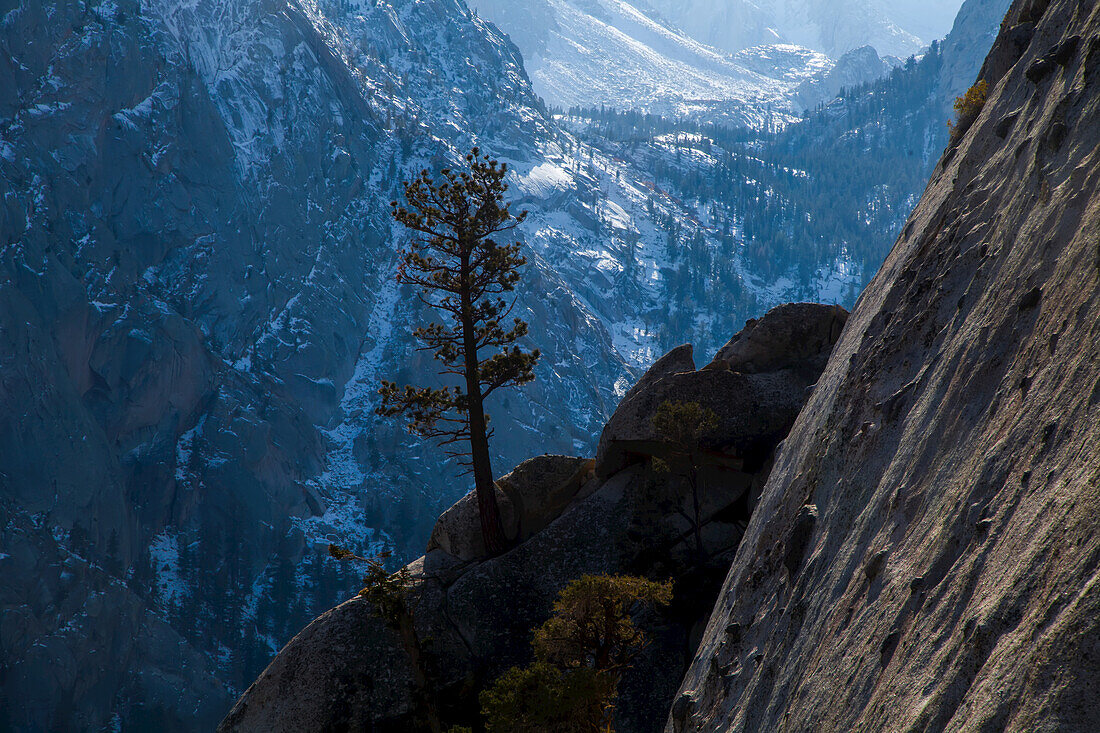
[463, 273]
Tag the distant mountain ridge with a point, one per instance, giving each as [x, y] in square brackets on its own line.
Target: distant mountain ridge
[892, 27]
[622, 54]
[736, 62]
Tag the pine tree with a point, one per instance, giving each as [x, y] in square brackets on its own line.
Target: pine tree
[464, 274]
[581, 655]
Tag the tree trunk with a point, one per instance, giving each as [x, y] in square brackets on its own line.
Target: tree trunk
[697, 523]
[425, 700]
[492, 529]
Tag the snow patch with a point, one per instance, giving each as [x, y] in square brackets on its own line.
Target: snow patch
[546, 179]
[185, 449]
[164, 552]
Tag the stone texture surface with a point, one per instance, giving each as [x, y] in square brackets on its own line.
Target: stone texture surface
[534, 494]
[346, 672]
[926, 553]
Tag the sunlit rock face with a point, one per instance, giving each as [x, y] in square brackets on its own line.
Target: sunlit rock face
[925, 554]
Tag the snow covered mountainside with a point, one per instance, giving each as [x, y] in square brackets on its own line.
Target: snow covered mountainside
[197, 300]
[810, 211]
[621, 54]
[709, 60]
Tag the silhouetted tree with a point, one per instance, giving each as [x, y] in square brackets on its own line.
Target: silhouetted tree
[463, 273]
[681, 426]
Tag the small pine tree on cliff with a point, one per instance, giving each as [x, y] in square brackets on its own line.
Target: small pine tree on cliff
[465, 274]
[581, 655]
[968, 107]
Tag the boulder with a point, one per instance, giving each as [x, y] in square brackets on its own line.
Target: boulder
[540, 489]
[754, 413]
[676, 361]
[790, 336]
[530, 497]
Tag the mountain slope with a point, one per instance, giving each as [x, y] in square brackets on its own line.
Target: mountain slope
[196, 258]
[808, 212]
[620, 54]
[927, 554]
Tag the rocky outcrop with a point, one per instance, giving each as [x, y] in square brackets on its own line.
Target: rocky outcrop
[926, 553]
[347, 671]
[756, 385]
[791, 336]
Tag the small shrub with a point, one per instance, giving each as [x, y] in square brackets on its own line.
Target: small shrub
[543, 698]
[591, 626]
[684, 424]
[968, 107]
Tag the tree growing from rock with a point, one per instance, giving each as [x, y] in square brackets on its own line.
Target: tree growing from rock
[388, 595]
[968, 107]
[466, 275]
[681, 426]
[581, 654]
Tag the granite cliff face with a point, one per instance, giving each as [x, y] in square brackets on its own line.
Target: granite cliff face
[348, 671]
[926, 554]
